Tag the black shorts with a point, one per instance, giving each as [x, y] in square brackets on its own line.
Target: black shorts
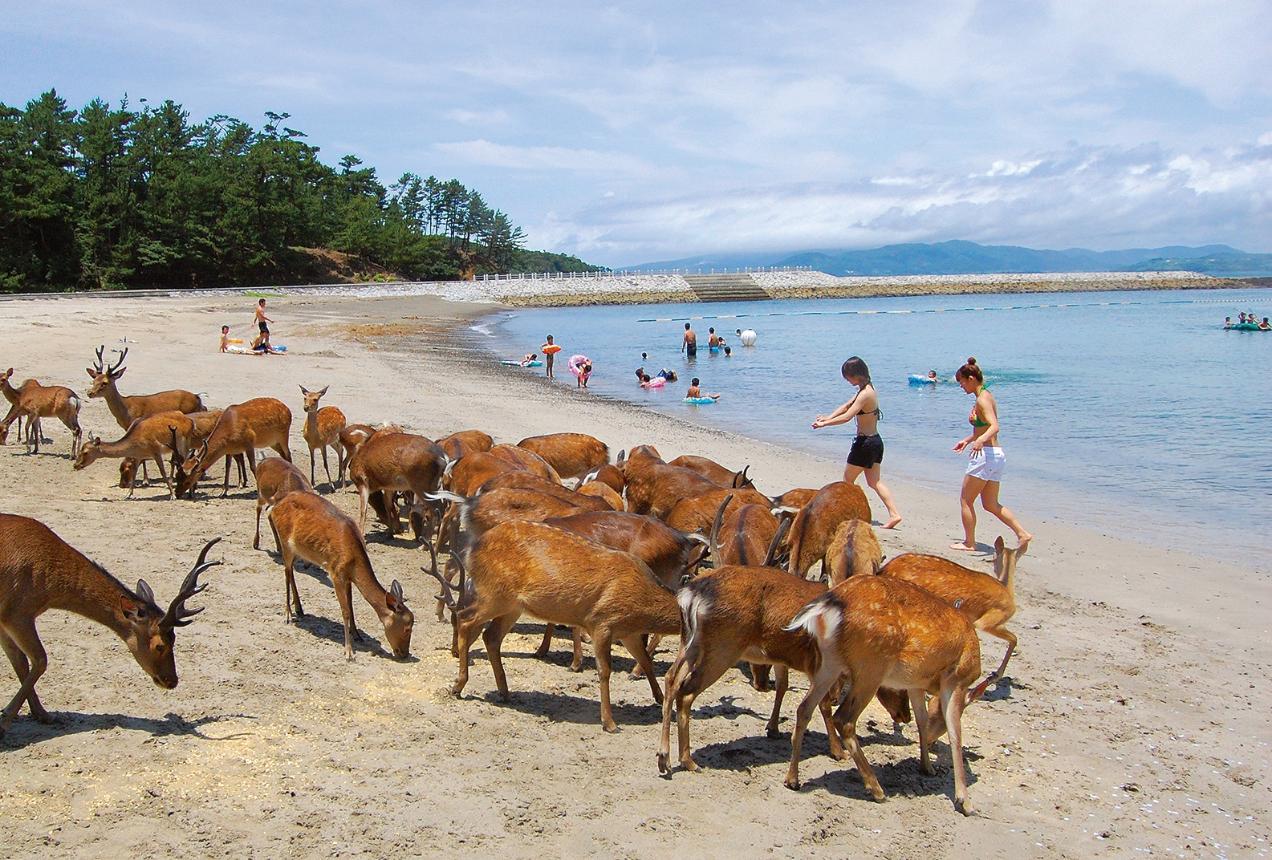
[691, 349]
[264, 328]
[866, 451]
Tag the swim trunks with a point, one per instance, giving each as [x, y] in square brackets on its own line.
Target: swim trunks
[691, 349]
[264, 328]
[866, 451]
[988, 464]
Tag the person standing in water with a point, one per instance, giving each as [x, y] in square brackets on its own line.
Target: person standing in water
[866, 454]
[689, 345]
[549, 350]
[986, 462]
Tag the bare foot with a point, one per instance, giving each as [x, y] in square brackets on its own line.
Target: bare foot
[1022, 544]
[892, 523]
[962, 547]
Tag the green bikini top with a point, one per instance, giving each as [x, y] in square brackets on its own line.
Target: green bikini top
[975, 418]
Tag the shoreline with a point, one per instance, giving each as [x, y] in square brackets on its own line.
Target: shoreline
[285, 748]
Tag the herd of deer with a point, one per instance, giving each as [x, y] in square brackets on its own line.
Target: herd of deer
[549, 528]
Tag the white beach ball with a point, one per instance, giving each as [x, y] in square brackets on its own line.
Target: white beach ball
[748, 337]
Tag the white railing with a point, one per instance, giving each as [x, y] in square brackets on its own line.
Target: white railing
[627, 273]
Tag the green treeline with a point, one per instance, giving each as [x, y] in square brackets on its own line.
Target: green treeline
[122, 197]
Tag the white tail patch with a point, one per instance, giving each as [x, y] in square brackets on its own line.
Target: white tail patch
[692, 607]
[819, 619]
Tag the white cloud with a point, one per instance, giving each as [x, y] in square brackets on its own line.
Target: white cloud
[491, 154]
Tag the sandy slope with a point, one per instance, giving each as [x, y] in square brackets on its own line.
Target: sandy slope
[1137, 718]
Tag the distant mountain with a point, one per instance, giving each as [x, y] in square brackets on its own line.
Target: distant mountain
[971, 258]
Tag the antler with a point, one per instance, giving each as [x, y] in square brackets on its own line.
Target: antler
[447, 596]
[783, 526]
[115, 367]
[713, 542]
[177, 614]
[100, 364]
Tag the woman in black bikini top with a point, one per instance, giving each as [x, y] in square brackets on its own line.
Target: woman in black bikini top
[866, 454]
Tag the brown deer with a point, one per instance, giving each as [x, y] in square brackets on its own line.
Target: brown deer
[149, 438]
[604, 492]
[464, 442]
[744, 537]
[523, 567]
[40, 571]
[877, 631]
[398, 462]
[695, 513]
[572, 455]
[201, 425]
[816, 522]
[308, 526]
[11, 395]
[128, 409]
[527, 460]
[988, 602]
[322, 431]
[739, 613]
[713, 471]
[263, 422]
[354, 436]
[610, 476]
[853, 551]
[794, 499]
[275, 478]
[36, 401]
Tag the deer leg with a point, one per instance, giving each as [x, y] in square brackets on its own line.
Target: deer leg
[311, 467]
[77, 435]
[493, 637]
[283, 451]
[781, 679]
[344, 594]
[833, 738]
[861, 690]
[919, 707]
[759, 676]
[288, 572]
[636, 645]
[601, 643]
[546, 644]
[256, 541]
[953, 700]
[822, 682]
[1010, 638]
[469, 621]
[576, 661]
[163, 473]
[671, 690]
[364, 497]
[325, 468]
[23, 635]
[21, 667]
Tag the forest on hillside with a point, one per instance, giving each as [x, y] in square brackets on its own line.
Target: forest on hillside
[139, 196]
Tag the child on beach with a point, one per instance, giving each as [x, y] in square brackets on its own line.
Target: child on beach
[549, 350]
[984, 474]
[866, 454]
[695, 390]
[225, 338]
[261, 319]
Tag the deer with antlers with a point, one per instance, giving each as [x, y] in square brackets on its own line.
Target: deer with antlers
[36, 401]
[322, 431]
[128, 409]
[149, 438]
[40, 571]
[263, 422]
[309, 527]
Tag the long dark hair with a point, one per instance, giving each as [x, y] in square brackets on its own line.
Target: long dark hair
[971, 370]
[854, 367]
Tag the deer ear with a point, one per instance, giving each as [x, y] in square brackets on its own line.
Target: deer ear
[144, 592]
[303, 390]
[397, 601]
[324, 390]
[118, 373]
[92, 374]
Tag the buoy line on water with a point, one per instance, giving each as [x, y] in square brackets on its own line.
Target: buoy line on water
[903, 311]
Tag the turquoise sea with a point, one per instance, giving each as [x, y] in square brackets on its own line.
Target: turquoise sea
[1131, 412]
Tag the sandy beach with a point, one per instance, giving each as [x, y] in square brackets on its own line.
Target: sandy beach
[1136, 720]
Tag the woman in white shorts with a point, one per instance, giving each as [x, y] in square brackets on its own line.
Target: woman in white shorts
[986, 462]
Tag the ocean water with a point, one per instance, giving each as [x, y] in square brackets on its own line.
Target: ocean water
[1131, 412]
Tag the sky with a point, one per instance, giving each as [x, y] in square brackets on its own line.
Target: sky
[633, 132]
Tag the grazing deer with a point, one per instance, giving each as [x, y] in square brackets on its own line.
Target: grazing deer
[877, 631]
[464, 442]
[604, 492]
[263, 422]
[128, 409]
[572, 455]
[308, 526]
[523, 567]
[399, 462]
[36, 401]
[275, 478]
[321, 431]
[745, 537]
[988, 602]
[816, 522]
[354, 436]
[527, 460]
[695, 513]
[853, 551]
[40, 571]
[713, 471]
[610, 476]
[149, 438]
[794, 499]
